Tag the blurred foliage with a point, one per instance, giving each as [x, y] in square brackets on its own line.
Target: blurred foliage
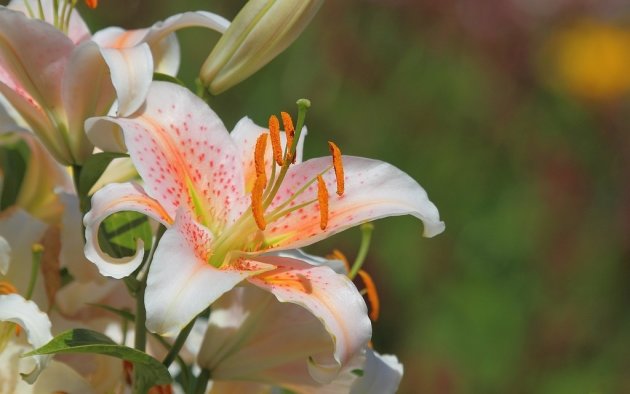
[527, 290]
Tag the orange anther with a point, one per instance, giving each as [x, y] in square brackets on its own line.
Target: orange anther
[290, 133]
[337, 254]
[287, 122]
[274, 132]
[372, 295]
[322, 197]
[259, 157]
[338, 166]
[7, 288]
[257, 202]
[91, 3]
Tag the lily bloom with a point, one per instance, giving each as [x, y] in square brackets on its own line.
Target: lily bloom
[23, 326]
[223, 215]
[56, 75]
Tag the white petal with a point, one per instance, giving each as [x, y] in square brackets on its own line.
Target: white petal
[60, 378]
[253, 337]
[131, 72]
[118, 197]
[330, 297]
[181, 283]
[381, 375]
[10, 366]
[87, 91]
[16, 309]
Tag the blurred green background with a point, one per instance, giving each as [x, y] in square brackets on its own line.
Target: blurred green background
[513, 115]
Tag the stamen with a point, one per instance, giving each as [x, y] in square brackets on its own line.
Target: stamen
[91, 3]
[274, 132]
[338, 165]
[287, 122]
[322, 197]
[372, 295]
[338, 255]
[259, 157]
[257, 202]
[7, 288]
[289, 130]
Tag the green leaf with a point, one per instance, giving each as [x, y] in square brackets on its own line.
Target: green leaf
[151, 372]
[13, 161]
[167, 78]
[93, 169]
[118, 233]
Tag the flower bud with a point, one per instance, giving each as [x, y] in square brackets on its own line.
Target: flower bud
[260, 31]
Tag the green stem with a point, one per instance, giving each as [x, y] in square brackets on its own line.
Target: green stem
[84, 201]
[140, 340]
[202, 381]
[37, 252]
[366, 237]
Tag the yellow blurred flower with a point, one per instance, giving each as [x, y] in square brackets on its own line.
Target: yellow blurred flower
[591, 59]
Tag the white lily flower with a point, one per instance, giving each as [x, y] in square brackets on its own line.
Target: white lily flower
[57, 79]
[15, 309]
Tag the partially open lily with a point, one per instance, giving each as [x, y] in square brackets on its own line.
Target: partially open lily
[56, 75]
[210, 189]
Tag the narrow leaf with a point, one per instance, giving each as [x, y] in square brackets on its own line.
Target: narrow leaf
[151, 372]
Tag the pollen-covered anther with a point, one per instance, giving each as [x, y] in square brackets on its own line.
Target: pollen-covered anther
[91, 3]
[287, 122]
[322, 198]
[289, 130]
[338, 166]
[259, 157]
[7, 288]
[372, 295]
[274, 133]
[257, 202]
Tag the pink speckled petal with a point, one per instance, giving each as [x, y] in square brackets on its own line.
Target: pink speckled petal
[373, 190]
[183, 153]
[330, 297]
[245, 134]
[181, 283]
[118, 197]
[77, 30]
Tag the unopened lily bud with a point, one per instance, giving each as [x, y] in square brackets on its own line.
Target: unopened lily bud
[260, 31]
